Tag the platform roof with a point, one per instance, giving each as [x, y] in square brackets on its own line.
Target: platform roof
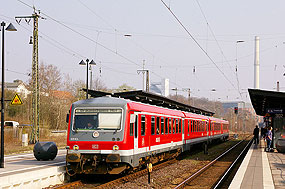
[267, 101]
[151, 98]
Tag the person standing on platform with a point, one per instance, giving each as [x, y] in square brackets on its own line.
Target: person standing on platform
[256, 135]
[269, 138]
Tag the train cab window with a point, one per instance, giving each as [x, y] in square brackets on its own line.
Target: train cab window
[162, 125]
[157, 125]
[142, 125]
[152, 125]
[166, 125]
[97, 119]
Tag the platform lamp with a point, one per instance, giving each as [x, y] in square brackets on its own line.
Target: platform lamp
[87, 63]
[9, 28]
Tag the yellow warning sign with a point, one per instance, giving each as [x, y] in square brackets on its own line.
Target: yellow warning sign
[16, 100]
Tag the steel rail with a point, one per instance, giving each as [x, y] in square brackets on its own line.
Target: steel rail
[136, 174]
[206, 167]
[74, 184]
[221, 180]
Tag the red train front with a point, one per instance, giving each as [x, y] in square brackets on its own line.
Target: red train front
[109, 135]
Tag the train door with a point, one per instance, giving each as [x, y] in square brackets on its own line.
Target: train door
[183, 125]
[207, 127]
[134, 119]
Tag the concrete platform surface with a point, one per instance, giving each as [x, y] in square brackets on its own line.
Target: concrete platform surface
[255, 170]
[277, 165]
[24, 171]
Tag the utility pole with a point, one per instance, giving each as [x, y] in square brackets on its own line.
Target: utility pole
[91, 78]
[143, 71]
[175, 89]
[189, 94]
[35, 76]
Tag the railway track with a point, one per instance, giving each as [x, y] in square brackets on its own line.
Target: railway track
[118, 181]
[132, 179]
[202, 177]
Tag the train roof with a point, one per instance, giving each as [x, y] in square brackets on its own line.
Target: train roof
[218, 120]
[102, 101]
[153, 99]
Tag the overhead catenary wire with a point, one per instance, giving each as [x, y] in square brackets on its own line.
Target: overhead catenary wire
[221, 50]
[92, 40]
[117, 31]
[197, 43]
[61, 47]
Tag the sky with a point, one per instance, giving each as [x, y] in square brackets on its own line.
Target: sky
[198, 50]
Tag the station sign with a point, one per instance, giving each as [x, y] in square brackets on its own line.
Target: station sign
[274, 110]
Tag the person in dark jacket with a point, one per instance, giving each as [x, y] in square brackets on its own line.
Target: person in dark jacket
[256, 135]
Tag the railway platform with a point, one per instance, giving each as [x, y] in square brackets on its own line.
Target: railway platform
[24, 171]
[260, 169]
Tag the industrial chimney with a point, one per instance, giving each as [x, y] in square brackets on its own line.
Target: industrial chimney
[256, 63]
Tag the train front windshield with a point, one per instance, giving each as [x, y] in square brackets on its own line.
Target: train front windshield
[97, 119]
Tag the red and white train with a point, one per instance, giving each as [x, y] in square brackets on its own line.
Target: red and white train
[109, 135]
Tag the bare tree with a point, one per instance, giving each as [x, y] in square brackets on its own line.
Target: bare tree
[99, 85]
[49, 77]
[124, 88]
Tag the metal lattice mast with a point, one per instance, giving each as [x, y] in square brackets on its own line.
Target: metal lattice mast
[35, 77]
[143, 71]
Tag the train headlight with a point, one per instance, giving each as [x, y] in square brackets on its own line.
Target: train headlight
[115, 147]
[75, 147]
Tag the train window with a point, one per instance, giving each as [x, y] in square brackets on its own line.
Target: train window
[97, 119]
[180, 125]
[188, 125]
[162, 125]
[191, 126]
[136, 127]
[166, 125]
[169, 126]
[152, 125]
[142, 125]
[131, 129]
[157, 125]
[176, 125]
[173, 126]
[196, 126]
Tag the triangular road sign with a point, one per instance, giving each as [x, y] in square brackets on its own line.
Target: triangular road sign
[16, 100]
